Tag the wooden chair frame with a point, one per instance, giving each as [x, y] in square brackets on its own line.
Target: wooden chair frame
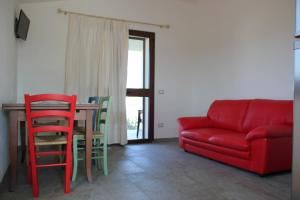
[100, 137]
[33, 131]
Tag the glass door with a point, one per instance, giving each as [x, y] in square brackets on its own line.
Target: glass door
[140, 87]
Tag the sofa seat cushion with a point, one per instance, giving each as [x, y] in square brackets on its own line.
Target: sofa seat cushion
[232, 140]
[203, 134]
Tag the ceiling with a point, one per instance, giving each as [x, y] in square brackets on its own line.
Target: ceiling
[31, 1]
[36, 1]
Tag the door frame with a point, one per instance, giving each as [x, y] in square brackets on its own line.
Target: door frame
[135, 34]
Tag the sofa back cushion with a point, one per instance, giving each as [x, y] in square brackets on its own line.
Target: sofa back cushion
[228, 114]
[263, 112]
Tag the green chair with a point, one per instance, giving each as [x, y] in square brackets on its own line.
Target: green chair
[100, 138]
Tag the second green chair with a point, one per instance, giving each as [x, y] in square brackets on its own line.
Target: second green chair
[100, 139]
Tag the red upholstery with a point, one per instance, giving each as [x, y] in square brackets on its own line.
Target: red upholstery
[203, 134]
[254, 135]
[232, 141]
[228, 114]
[194, 122]
[219, 149]
[186, 123]
[271, 155]
[273, 131]
[268, 112]
[227, 159]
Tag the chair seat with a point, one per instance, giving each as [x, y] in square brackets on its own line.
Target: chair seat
[50, 140]
[233, 141]
[81, 135]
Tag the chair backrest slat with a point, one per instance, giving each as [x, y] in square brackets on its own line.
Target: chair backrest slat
[53, 128]
[32, 115]
[51, 97]
[51, 113]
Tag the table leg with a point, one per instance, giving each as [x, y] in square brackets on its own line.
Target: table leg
[88, 138]
[13, 148]
[23, 140]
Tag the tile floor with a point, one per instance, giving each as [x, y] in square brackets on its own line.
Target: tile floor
[157, 171]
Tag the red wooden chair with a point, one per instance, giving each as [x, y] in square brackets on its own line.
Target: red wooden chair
[36, 138]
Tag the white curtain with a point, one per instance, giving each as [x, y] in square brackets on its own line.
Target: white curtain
[96, 65]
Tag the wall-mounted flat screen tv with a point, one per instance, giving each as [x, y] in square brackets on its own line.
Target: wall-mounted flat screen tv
[22, 26]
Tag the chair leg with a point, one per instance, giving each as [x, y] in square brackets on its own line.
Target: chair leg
[23, 135]
[33, 170]
[75, 158]
[71, 167]
[105, 169]
[68, 178]
[98, 154]
[68, 168]
[138, 123]
[137, 130]
[35, 187]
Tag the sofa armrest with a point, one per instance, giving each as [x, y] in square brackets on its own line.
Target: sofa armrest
[272, 131]
[193, 122]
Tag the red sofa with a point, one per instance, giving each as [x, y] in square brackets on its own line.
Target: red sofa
[254, 135]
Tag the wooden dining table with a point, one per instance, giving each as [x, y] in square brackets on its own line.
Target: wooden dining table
[16, 120]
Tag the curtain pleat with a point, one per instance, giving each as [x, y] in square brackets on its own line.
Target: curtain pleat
[96, 65]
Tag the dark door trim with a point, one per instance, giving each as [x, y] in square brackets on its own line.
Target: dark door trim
[135, 34]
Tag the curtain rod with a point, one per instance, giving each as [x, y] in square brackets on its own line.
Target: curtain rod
[65, 12]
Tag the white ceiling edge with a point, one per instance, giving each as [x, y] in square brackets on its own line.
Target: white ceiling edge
[37, 1]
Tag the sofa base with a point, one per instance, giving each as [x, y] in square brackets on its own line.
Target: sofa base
[201, 149]
[229, 160]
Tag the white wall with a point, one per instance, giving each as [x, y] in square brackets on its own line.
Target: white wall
[214, 49]
[8, 73]
[246, 51]
[41, 57]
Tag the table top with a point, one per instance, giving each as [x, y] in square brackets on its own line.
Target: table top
[52, 106]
